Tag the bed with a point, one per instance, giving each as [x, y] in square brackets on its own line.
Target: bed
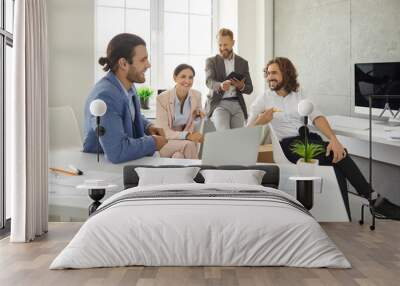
[201, 224]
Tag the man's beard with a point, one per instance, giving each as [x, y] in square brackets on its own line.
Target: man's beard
[135, 76]
[277, 87]
[226, 53]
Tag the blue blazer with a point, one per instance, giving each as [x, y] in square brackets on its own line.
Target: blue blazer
[124, 139]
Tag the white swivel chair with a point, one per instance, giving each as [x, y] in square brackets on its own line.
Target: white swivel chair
[277, 152]
[63, 129]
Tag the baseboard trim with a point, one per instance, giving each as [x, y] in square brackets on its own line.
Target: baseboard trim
[5, 231]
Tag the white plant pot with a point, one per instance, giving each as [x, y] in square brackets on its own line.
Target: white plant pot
[307, 169]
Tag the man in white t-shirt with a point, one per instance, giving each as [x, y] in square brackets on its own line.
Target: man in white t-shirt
[278, 107]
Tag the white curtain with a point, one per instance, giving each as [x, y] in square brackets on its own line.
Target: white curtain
[26, 117]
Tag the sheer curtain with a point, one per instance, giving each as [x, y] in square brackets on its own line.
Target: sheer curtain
[26, 119]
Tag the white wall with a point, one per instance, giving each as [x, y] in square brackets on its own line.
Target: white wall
[253, 32]
[71, 53]
[324, 38]
[375, 33]
[227, 16]
[251, 39]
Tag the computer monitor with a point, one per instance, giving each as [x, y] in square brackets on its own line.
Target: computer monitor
[382, 79]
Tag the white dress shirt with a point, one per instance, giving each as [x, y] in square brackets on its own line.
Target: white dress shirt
[287, 122]
[230, 67]
[180, 119]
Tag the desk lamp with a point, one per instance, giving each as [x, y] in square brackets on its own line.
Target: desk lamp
[305, 107]
[97, 188]
[98, 108]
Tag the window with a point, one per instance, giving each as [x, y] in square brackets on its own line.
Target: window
[175, 31]
[131, 16]
[6, 43]
[187, 38]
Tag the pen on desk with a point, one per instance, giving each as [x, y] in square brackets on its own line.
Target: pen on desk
[57, 170]
[76, 170]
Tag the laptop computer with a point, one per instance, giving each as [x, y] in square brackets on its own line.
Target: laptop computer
[231, 147]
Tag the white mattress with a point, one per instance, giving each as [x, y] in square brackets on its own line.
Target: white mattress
[200, 231]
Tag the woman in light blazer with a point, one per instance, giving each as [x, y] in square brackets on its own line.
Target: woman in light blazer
[178, 112]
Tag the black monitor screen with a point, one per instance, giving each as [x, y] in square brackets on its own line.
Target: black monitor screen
[377, 79]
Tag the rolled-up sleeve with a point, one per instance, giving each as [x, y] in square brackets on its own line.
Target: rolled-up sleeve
[256, 108]
[316, 113]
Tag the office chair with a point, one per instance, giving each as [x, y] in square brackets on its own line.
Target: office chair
[277, 153]
[63, 129]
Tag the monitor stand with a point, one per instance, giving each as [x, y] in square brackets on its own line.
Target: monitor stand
[387, 107]
[397, 113]
[395, 121]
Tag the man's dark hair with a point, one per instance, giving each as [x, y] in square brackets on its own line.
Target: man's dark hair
[121, 46]
[182, 67]
[289, 73]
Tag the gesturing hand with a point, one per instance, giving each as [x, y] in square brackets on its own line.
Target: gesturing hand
[265, 117]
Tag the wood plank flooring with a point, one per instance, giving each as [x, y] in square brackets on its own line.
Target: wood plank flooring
[375, 257]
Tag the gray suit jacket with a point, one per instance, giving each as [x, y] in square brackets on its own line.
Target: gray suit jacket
[215, 74]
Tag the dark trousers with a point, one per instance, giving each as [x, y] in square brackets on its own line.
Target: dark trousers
[344, 169]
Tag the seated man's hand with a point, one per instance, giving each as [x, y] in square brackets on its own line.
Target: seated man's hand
[152, 130]
[160, 141]
[195, 137]
[265, 117]
[338, 150]
[225, 85]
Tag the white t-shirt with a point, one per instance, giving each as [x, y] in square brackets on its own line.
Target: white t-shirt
[287, 122]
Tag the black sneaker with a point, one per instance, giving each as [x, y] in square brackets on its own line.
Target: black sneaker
[383, 207]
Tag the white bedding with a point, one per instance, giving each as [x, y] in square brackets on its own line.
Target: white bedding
[200, 231]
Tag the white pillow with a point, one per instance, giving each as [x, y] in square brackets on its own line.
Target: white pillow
[248, 177]
[166, 176]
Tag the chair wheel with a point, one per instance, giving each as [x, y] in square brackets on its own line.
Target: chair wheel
[361, 222]
[372, 227]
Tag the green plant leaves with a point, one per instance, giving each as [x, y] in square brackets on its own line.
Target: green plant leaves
[309, 151]
[144, 92]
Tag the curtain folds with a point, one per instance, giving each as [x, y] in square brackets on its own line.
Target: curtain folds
[27, 135]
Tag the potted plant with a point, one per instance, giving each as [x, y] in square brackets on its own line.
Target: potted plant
[307, 151]
[144, 94]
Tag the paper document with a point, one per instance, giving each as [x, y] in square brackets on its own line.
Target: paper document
[74, 181]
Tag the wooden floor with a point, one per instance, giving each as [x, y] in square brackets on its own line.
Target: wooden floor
[375, 257]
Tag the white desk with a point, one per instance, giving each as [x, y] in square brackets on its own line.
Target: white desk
[328, 205]
[357, 140]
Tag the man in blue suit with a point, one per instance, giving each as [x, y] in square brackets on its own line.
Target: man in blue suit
[128, 134]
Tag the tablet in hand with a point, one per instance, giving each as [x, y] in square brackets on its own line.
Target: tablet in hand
[236, 75]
